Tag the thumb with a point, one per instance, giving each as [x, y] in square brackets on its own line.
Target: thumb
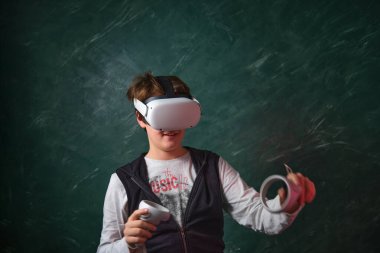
[136, 214]
[282, 194]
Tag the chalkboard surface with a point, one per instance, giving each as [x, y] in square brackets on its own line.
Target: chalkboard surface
[283, 81]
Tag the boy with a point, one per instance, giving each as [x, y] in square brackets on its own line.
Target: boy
[195, 185]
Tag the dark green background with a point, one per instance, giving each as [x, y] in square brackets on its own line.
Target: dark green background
[279, 81]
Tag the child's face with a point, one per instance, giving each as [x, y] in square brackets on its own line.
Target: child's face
[167, 141]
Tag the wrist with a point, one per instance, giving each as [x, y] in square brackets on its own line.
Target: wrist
[294, 208]
[131, 246]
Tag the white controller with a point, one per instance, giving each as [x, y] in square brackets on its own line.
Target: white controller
[157, 213]
[293, 192]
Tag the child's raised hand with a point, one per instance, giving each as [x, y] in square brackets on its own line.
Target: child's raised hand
[307, 189]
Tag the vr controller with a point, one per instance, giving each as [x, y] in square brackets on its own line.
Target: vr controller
[157, 213]
[293, 192]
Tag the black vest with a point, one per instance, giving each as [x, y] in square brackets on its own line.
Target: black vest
[203, 222]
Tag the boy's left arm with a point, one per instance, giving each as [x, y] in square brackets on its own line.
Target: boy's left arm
[244, 205]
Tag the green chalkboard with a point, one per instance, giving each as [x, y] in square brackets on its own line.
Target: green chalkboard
[281, 81]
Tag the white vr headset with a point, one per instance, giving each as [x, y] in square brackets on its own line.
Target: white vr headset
[170, 111]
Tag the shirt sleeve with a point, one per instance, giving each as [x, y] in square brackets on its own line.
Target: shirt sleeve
[243, 204]
[114, 217]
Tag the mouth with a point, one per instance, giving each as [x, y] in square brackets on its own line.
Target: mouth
[169, 133]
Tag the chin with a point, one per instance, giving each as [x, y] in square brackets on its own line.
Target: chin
[171, 148]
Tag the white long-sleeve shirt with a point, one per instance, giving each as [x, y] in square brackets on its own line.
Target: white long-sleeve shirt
[240, 201]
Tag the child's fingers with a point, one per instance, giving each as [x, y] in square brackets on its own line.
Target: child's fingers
[306, 186]
[297, 179]
[301, 180]
[310, 190]
[135, 222]
[136, 214]
[137, 233]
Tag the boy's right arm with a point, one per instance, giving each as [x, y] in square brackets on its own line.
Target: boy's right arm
[119, 230]
[114, 216]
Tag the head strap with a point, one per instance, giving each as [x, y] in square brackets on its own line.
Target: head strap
[167, 85]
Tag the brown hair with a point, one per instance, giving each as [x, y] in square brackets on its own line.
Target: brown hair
[145, 86]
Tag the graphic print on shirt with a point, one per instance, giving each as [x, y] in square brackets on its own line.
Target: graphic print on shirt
[173, 189]
[169, 182]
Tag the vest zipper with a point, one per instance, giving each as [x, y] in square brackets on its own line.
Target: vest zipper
[193, 191]
[189, 203]
[183, 236]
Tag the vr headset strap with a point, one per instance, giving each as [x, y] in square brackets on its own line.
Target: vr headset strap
[167, 85]
[140, 107]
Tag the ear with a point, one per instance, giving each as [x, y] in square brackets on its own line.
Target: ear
[140, 120]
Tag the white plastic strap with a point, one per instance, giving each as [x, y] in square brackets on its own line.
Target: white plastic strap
[141, 107]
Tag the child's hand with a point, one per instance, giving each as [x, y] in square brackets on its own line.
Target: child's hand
[307, 188]
[137, 231]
